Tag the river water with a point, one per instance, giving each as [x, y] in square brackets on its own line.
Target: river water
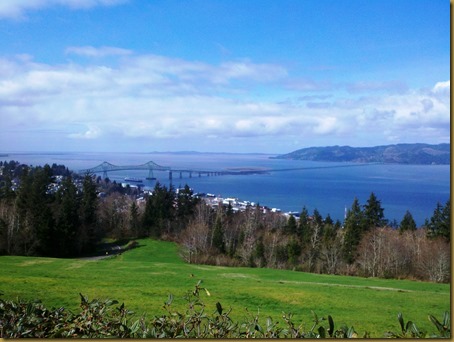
[325, 186]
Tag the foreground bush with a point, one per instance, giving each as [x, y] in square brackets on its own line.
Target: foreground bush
[103, 319]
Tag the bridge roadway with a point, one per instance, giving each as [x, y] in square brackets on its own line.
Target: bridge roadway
[152, 166]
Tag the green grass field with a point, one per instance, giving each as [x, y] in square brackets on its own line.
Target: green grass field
[143, 278]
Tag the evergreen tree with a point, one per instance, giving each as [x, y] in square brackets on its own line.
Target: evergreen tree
[293, 251]
[64, 239]
[4, 238]
[440, 222]
[20, 237]
[329, 230]
[218, 236]
[445, 230]
[186, 204]
[89, 201]
[373, 213]
[134, 223]
[317, 218]
[41, 217]
[23, 196]
[159, 210]
[33, 212]
[407, 223]
[229, 211]
[328, 220]
[150, 217]
[6, 192]
[88, 236]
[304, 227]
[353, 227]
[291, 227]
[281, 254]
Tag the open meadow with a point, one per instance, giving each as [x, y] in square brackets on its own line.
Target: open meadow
[143, 278]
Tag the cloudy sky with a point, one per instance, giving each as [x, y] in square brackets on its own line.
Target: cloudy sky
[222, 75]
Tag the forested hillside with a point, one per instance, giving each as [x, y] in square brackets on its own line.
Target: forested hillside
[393, 154]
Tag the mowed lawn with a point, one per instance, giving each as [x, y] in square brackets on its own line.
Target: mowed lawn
[144, 277]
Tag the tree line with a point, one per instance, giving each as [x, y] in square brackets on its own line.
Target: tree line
[39, 219]
[51, 211]
[364, 244]
[67, 218]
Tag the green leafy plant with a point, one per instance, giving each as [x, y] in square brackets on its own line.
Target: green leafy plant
[443, 327]
[411, 330]
[106, 318]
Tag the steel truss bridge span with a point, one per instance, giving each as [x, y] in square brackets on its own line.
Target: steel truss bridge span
[106, 167]
[152, 166]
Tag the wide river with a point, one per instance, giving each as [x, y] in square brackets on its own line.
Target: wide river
[327, 187]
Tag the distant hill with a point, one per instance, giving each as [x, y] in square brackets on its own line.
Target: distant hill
[392, 154]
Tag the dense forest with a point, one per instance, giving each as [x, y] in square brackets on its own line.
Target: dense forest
[50, 211]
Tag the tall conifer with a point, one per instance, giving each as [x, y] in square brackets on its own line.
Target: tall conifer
[353, 231]
[373, 213]
[407, 223]
[218, 236]
[440, 222]
[304, 227]
[64, 242]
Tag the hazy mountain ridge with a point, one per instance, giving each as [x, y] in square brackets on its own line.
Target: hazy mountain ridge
[392, 154]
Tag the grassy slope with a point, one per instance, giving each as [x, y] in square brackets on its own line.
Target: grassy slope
[143, 278]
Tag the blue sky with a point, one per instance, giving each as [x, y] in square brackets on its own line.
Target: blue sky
[222, 75]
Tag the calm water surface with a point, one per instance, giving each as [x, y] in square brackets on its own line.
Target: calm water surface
[327, 187]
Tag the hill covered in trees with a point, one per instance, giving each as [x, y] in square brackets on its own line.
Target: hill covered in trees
[392, 154]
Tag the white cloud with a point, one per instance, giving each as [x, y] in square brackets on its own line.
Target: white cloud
[307, 85]
[17, 8]
[256, 72]
[326, 125]
[155, 98]
[90, 51]
[93, 132]
[442, 87]
[374, 86]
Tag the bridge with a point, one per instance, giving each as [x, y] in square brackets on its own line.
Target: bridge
[152, 166]
[106, 167]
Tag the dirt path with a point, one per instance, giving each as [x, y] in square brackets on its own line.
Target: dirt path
[111, 251]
